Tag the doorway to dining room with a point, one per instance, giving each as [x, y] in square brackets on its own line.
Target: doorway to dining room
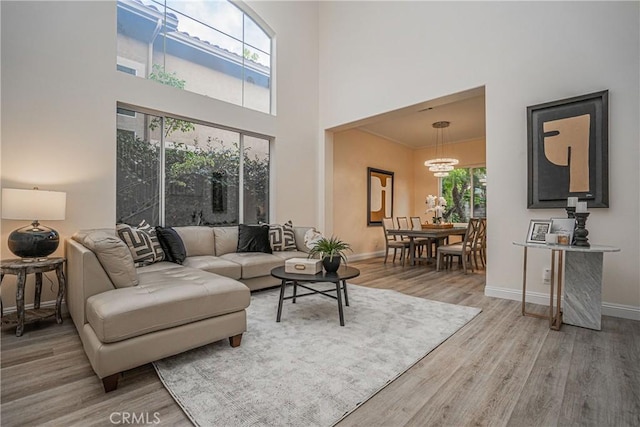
[400, 141]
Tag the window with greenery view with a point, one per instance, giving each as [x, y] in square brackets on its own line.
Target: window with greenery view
[212, 47]
[466, 194]
[176, 172]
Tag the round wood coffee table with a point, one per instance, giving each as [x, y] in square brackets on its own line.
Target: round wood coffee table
[338, 278]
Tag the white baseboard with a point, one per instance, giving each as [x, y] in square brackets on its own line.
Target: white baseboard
[360, 257]
[608, 308]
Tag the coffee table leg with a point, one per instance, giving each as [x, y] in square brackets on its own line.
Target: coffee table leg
[295, 290]
[339, 295]
[282, 286]
[346, 295]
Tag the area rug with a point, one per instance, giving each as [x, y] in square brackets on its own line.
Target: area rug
[307, 370]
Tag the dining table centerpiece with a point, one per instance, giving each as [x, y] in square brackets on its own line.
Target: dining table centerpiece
[436, 205]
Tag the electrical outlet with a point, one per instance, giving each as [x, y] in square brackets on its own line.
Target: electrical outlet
[546, 276]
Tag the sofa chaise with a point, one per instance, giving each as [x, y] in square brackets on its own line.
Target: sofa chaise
[128, 316]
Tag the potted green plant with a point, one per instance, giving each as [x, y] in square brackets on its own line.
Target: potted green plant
[331, 251]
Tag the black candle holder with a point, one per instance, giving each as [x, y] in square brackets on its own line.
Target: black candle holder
[581, 233]
[571, 211]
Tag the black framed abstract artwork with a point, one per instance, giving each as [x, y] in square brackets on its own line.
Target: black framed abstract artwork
[568, 143]
[379, 195]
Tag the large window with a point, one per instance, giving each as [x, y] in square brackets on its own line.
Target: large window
[209, 47]
[465, 191]
[177, 172]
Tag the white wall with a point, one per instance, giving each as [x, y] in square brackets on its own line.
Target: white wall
[59, 92]
[381, 56]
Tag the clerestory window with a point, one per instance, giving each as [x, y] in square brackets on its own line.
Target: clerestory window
[204, 46]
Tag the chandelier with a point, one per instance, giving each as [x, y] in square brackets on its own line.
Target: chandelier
[440, 166]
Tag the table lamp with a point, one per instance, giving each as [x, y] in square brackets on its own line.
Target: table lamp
[34, 242]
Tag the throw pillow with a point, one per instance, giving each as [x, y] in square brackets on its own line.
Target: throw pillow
[172, 244]
[282, 237]
[113, 255]
[142, 242]
[311, 237]
[253, 238]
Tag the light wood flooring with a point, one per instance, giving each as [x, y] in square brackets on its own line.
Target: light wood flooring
[501, 369]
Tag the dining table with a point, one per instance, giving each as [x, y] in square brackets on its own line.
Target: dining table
[434, 234]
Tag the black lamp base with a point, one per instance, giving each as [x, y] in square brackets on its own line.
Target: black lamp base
[33, 242]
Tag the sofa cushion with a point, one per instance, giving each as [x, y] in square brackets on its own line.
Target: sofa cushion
[253, 238]
[255, 264]
[285, 255]
[142, 242]
[113, 255]
[164, 299]
[172, 245]
[214, 264]
[226, 239]
[197, 240]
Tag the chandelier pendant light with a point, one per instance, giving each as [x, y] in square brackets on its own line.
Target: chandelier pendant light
[441, 165]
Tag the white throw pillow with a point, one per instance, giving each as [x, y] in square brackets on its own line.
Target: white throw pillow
[311, 237]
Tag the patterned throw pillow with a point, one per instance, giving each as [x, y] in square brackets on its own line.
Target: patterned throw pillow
[142, 242]
[282, 237]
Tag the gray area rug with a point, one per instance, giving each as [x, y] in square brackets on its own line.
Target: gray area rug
[307, 370]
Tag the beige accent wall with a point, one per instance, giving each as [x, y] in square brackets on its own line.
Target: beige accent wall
[354, 151]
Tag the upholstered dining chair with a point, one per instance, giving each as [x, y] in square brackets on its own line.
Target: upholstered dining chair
[420, 242]
[393, 242]
[463, 250]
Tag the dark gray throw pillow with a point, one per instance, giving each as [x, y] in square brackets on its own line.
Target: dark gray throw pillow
[253, 238]
[172, 244]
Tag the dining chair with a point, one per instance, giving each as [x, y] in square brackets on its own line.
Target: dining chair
[420, 243]
[462, 250]
[393, 242]
[480, 243]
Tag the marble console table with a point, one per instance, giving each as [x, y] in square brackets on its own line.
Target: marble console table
[582, 284]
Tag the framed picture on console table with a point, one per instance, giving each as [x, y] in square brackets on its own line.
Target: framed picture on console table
[568, 144]
[537, 230]
[379, 195]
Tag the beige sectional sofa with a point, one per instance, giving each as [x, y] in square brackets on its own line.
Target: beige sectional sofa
[128, 316]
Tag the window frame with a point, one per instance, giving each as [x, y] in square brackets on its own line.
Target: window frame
[162, 159]
[472, 186]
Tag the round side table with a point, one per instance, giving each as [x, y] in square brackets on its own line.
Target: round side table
[21, 269]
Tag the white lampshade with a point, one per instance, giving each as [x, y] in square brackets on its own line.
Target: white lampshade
[33, 204]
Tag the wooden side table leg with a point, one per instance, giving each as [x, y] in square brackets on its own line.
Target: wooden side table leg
[62, 285]
[38, 293]
[22, 276]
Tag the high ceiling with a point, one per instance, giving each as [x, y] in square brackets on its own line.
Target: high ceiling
[415, 129]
